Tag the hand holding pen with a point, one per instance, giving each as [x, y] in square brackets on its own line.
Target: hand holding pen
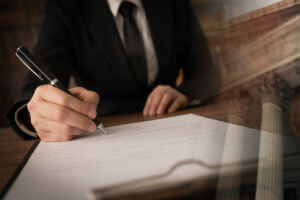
[56, 113]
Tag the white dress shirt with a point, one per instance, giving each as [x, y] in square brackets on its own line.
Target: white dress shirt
[139, 16]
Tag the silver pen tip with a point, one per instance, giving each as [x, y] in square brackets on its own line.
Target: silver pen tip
[101, 127]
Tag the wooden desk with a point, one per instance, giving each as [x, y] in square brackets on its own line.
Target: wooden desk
[13, 149]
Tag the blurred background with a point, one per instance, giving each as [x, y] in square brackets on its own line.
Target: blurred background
[247, 39]
[19, 24]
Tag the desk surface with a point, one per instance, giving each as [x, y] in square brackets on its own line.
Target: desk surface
[13, 149]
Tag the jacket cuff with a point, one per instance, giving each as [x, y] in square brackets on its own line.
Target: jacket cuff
[193, 99]
[22, 119]
[12, 116]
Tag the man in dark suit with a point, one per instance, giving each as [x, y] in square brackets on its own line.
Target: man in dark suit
[127, 52]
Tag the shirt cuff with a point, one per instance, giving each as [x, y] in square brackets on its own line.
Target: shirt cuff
[22, 125]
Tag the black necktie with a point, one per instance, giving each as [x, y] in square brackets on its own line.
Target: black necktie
[134, 43]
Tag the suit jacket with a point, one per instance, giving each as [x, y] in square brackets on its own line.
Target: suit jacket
[80, 38]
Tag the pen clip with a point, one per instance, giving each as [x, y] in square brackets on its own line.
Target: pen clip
[34, 72]
[34, 64]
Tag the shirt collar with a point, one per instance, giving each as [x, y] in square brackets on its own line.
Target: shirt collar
[114, 5]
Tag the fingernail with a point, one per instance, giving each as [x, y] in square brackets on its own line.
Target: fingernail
[92, 127]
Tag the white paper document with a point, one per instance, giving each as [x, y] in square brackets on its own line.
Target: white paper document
[69, 170]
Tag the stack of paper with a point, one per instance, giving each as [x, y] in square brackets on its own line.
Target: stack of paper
[69, 170]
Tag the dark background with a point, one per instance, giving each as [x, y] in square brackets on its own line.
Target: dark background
[19, 24]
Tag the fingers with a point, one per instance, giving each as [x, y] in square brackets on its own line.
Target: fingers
[60, 114]
[57, 96]
[163, 98]
[89, 97]
[164, 104]
[51, 131]
[148, 104]
[48, 136]
[175, 105]
[44, 125]
[155, 103]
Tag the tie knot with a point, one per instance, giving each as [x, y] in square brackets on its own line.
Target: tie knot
[126, 9]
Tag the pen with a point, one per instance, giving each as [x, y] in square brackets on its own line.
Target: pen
[36, 67]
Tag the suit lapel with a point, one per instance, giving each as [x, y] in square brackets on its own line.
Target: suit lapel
[159, 16]
[101, 25]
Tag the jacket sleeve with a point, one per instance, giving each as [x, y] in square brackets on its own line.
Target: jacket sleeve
[54, 50]
[201, 77]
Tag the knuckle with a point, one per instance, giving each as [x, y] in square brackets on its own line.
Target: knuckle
[63, 100]
[169, 89]
[39, 89]
[164, 86]
[80, 88]
[160, 93]
[47, 87]
[84, 109]
[154, 104]
[42, 88]
[61, 114]
[30, 106]
[168, 96]
[159, 87]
